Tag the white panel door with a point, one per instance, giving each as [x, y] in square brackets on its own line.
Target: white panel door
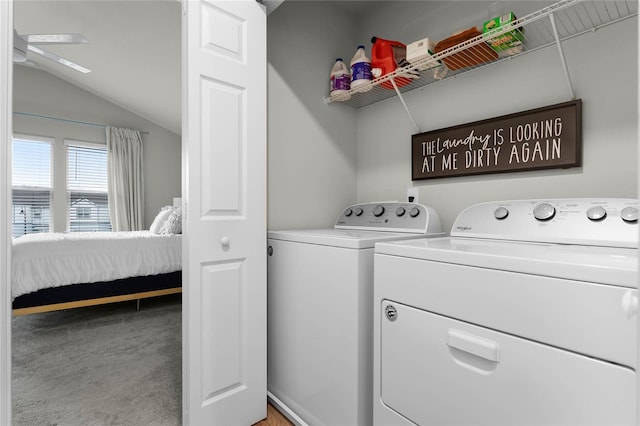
[224, 191]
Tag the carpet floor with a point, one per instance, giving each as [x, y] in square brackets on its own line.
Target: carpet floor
[103, 365]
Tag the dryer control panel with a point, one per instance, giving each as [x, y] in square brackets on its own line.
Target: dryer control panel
[610, 222]
[390, 216]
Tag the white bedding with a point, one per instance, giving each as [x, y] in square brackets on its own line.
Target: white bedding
[55, 259]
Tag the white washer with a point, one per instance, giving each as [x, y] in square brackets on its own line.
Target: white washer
[525, 314]
[320, 294]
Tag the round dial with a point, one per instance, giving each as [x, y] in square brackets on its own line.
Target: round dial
[348, 212]
[378, 210]
[629, 214]
[544, 211]
[359, 211]
[596, 213]
[400, 211]
[500, 213]
[414, 212]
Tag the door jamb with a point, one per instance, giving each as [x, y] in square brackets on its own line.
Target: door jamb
[6, 99]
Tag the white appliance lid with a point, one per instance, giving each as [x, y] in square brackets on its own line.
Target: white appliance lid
[345, 238]
[363, 225]
[605, 265]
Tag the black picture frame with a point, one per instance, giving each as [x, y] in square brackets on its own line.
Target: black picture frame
[541, 138]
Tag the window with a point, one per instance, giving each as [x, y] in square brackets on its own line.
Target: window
[83, 212]
[87, 187]
[31, 185]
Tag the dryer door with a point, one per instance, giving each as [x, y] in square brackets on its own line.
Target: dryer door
[436, 370]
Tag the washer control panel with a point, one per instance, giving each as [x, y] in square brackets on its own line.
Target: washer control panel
[611, 222]
[390, 216]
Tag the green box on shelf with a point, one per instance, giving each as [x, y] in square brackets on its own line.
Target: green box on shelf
[507, 40]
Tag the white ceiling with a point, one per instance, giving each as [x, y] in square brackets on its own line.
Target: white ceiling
[134, 51]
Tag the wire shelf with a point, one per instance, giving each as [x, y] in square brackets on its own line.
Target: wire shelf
[567, 18]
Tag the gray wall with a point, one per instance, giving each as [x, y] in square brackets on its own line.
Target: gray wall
[312, 146]
[605, 78]
[302, 50]
[37, 92]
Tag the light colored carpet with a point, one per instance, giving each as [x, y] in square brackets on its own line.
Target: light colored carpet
[105, 365]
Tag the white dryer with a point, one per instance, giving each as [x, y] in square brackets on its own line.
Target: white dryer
[320, 307]
[525, 314]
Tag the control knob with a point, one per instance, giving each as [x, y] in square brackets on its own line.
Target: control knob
[596, 213]
[629, 214]
[348, 212]
[359, 211]
[378, 210]
[414, 212]
[400, 211]
[500, 213]
[544, 211]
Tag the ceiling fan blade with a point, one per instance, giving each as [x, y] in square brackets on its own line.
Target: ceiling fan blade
[20, 48]
[55, 38]
[58, 59]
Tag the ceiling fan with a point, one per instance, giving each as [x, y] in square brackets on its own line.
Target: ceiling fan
[27, 42]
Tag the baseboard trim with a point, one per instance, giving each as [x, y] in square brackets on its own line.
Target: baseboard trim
[286, 411]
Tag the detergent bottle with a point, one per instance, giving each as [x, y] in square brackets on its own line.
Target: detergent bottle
[360, 69]
[386, 57]
[340, 81]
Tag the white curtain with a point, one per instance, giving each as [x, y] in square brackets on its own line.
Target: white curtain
[126, 184]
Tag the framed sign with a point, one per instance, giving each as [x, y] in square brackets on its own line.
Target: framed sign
[542, 138]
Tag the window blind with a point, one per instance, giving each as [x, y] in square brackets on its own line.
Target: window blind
[87, 187]
[31, 184]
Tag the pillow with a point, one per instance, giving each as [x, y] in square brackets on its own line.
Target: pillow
[173, 224]
[161, 217]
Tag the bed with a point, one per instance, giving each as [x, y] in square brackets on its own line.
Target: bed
[54, 271]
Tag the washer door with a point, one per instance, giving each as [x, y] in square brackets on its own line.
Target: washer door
[436, 370]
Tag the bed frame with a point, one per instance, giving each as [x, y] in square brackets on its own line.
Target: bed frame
[91, 294]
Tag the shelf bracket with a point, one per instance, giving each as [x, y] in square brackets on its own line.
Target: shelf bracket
[562, 58]
[405, 105]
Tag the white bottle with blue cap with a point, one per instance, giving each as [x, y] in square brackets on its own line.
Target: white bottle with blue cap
[360, 69]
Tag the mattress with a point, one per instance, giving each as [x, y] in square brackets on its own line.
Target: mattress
[47, 260]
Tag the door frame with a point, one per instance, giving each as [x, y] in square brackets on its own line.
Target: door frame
[6, 100]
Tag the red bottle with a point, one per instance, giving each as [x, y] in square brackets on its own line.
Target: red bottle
[386, 56]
